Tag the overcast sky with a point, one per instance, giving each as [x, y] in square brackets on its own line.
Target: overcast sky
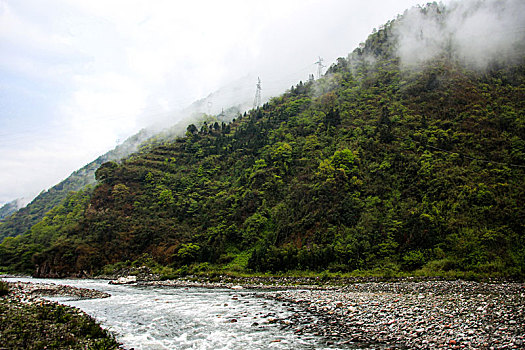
[77, 76]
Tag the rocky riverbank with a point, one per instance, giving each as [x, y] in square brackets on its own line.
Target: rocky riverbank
[28, 321]
[29, 291]
[227, 282]
[266, 282]
[367, 314]
[422, 315]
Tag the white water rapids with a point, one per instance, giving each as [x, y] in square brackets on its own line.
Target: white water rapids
[147, 317]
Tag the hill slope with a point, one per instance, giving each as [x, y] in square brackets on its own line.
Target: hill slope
[20, 220]
[376, 165]
[9, 208]
[15, 221]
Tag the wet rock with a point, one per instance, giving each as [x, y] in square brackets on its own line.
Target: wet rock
[124, 280]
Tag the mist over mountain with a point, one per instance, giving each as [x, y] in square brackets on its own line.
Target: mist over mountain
[475, 33]
[408, 156]
[20, 220]
[18, 217]
[10, 207]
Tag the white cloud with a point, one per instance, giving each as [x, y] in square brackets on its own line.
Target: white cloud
[97, 114]
[29, 169]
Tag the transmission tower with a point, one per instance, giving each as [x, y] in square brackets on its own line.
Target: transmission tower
[257, 99]
[320, 67]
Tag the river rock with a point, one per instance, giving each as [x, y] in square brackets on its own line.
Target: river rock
[408, 314]
[124, 280]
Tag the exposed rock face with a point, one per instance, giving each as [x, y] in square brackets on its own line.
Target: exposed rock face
[44, 270]
[47, 269]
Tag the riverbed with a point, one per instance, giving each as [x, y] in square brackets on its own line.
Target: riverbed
[403, 314]
[154, 317]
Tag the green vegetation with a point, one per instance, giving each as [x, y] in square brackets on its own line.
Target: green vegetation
[18, 253]
[373, 169]
[49, 326]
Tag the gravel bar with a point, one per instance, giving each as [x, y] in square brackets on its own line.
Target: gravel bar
[422, 315]
[29, 291]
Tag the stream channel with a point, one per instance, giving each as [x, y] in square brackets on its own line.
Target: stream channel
[153, 317]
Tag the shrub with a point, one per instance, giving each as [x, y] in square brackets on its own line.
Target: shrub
[4, 288]
[413, 259]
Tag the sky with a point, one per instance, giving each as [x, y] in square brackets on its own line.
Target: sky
[78, 77]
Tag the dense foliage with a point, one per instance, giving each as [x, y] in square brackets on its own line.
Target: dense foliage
[372, 166]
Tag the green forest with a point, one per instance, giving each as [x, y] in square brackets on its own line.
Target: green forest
[373, 168]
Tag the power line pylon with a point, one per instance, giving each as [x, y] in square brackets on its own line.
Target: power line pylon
[257, 99]
[320, 67]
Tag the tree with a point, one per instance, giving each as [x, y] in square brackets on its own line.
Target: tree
[191, 130]
[105, 172]
[188, 253]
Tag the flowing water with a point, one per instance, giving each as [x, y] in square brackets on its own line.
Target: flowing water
[148, 317]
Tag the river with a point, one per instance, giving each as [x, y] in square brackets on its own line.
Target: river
[147, 317]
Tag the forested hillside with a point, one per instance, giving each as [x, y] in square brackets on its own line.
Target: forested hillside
[16, 221]
[374, 166]
[21, 221]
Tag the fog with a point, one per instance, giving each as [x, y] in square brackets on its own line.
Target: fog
[476, 33]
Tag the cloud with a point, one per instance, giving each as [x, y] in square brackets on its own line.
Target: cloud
[475, 32]
[30, 50]
[48, 162]
[98, 111]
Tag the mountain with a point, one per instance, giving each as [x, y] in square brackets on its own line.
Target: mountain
[9, 208]
[21, 220]
[383, 165]
[17, 220]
